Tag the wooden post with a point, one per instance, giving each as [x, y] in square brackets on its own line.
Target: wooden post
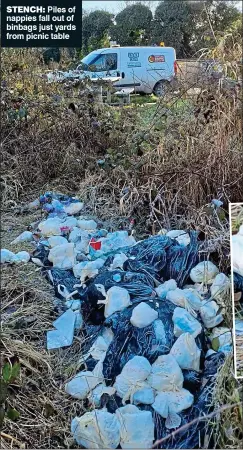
[108, 97]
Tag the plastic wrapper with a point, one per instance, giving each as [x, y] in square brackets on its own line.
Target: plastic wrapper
[204, 272]
[143, 315]
[209, 314]
[186, 352]
[26, 236]
[96, 429]
[117, 299]
[137, 427]
[84, 224]
[181, 236]
[73, 208]
[84, 382]
[166, 374]
[57, 240]
[164, 288]
[184, 322]
[63, 256]
[220, 286]
[132, 375]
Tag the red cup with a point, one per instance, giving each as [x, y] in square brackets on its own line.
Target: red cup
[95, 245]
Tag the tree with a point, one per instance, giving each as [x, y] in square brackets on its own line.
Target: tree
[213, 20]
[95, 29]
[133, 25]
[174, 24]
[189, 26]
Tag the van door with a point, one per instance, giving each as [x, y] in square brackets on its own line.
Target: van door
[132, 68]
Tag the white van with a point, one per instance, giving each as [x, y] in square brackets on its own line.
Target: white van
[146, 69]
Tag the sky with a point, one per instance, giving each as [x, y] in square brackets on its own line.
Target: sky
[115, 6]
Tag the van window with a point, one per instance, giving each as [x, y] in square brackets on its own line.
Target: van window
[104, 62]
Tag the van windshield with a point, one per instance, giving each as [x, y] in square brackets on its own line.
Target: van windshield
[87, 61]
[103, 62]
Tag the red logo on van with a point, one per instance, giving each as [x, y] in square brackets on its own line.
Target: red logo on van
[156, 58]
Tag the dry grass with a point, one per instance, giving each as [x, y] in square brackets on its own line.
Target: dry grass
[27, 312]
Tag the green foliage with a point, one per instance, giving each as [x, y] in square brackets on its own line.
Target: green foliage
[12, 414]
[212, 22]
[51, 54]
[9, 374]
[174, 24]
[191, 26]
[95, 28]
[133, 25]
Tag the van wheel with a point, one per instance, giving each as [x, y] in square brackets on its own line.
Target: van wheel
[161, 88]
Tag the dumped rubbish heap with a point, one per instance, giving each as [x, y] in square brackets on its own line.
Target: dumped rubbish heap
[152, 316]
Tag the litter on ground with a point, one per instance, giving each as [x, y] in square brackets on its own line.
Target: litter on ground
[150, 313]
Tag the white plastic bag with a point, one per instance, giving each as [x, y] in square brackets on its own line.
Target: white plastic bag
[97, 350]
[90, 269]
[26, 236]
[164, 288]
[82, 244]
[90, 225]
[220, 285]
[184, 322]
[166, 374]
[7, 256]
[172, 402]
[118, 261]
[95, 395]
[63, 256]
[185, 298]
[145, 395]
[70, 222]
[143, 315]
[51, 227]
[75, 235]
[181, 236]
[209, 314]
[137, 427]
[117, 299]
[87, 269]
[80, 386]
[96, 429]
[204, 272]
[57, 240]
[116, 240]
[159, 330]
[23, 257]
[132, 376]
[73, 208]
[186, 352]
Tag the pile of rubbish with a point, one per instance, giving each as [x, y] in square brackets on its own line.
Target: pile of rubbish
[153, 320]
